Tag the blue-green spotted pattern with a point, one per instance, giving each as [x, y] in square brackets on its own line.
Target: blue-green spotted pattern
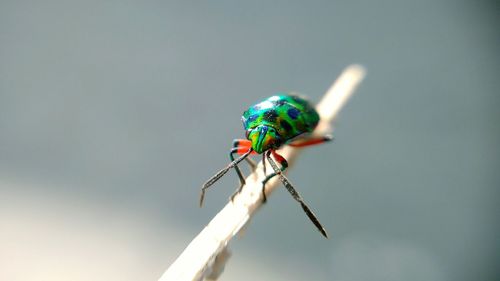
[283, 117]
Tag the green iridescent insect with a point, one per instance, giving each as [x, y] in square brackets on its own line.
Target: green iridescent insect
[270, 124]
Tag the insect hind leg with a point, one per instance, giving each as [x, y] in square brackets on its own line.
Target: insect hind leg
[311, 141]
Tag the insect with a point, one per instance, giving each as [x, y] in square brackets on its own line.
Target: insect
[279, 120]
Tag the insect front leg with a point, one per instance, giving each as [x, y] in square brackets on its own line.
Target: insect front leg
[294, 193]
[284, 165]
[241, 146]
[221, 173]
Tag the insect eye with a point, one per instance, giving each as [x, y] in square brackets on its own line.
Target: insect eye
[253, 117]
[247, 133]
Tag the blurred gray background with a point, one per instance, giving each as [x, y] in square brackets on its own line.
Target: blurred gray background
[113, 113]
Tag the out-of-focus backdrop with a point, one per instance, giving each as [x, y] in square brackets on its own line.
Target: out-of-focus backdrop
[113, 113]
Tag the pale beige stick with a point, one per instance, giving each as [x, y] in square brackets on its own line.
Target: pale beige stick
[206, 255]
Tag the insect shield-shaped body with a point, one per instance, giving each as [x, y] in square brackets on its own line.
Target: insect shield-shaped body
[276, 121]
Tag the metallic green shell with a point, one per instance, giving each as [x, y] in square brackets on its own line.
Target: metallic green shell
[289, 115]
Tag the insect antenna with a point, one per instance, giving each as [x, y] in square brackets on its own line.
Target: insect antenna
[220, 173]
[296, 196]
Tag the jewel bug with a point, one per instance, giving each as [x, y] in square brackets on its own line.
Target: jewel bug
[279, 120]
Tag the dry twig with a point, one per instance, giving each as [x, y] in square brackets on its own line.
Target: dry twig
[205, 256]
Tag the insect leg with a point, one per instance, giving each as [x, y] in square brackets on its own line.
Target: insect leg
[284, 164]
[311, 141]
[242, 146]
[221, 173]
[296, 195]
[264, 197]
[236, 168]
[264, 162]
